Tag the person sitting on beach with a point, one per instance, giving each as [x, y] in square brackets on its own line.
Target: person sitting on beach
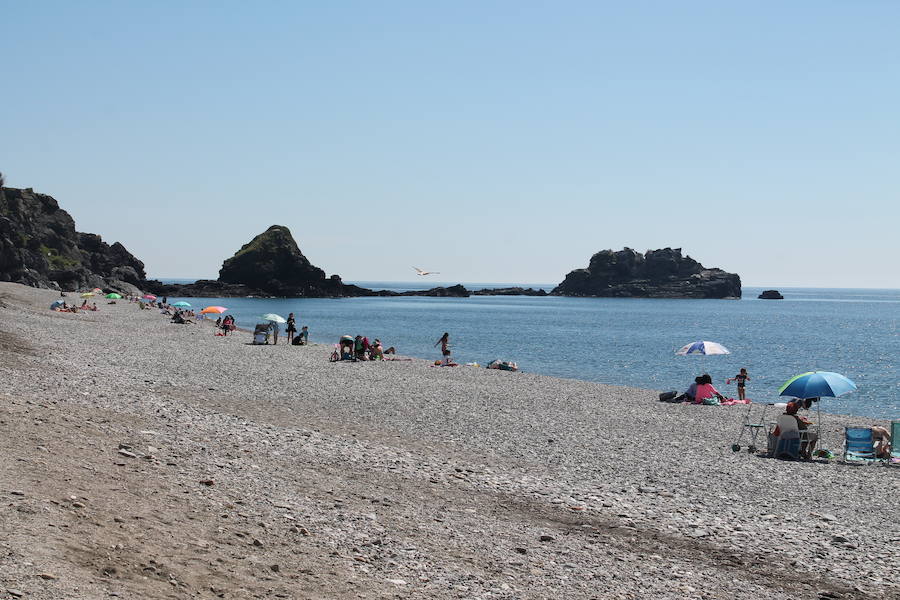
[706, 391]
[301, 338]
[391, 350]
[358, 348]
[377, 352]
[691, 393]
[810, 438]
[179, 318]
[882, 438]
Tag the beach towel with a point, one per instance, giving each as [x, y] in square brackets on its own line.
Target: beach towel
[734, 401]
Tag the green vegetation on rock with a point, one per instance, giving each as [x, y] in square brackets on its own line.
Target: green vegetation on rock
[58, 261]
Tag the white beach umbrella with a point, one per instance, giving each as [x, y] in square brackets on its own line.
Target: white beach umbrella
[702, 347]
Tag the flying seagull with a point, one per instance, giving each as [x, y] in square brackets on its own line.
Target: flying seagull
[421, 272]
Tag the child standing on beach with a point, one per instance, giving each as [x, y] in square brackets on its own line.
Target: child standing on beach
[741, 378]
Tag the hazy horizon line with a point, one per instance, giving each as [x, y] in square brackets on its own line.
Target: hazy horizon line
[521, 283]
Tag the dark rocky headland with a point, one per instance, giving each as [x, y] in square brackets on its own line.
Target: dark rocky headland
[661, 273]
[40, 247]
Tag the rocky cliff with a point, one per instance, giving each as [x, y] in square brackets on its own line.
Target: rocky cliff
[40, 247]
[661, 273]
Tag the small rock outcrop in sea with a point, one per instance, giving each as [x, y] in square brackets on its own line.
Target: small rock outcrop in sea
[40, 247]
[510, 291]
[771, 295]
[661, 273]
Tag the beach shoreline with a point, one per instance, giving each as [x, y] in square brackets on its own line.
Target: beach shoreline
[379, 479]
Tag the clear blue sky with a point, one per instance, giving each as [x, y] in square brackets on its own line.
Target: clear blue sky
[491, 141]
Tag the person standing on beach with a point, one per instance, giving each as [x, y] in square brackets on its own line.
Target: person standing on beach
[291, 327]
[741, 378]
[444, 341]
[274, 327]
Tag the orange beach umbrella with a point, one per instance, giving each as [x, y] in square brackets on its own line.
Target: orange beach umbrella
[213, 309]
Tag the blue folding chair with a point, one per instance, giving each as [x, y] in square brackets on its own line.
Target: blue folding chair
[859, 444]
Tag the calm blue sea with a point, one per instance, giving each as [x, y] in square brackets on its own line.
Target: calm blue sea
[631, 341]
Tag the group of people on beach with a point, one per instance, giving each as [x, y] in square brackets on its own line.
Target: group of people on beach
[360, 348]
[72, 308]
[273, 329]
[702, 390]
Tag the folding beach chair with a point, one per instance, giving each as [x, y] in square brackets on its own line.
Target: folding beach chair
[895, 443]
[859, 443]
[787, 445]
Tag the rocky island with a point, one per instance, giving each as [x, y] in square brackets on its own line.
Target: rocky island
[272, 265]
[771, 295]
[663, 273]
[40, 247]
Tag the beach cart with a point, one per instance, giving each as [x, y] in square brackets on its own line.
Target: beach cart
[754, 429]
[261, 334]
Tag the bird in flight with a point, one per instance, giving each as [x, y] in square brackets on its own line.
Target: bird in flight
[421, 272]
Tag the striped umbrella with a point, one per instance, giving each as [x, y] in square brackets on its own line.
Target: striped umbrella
[703, 347]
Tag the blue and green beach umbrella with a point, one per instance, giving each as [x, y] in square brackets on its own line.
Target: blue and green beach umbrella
[815, 384]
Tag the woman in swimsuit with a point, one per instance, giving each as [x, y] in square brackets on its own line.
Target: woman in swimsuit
[445, 344]
[291, 327]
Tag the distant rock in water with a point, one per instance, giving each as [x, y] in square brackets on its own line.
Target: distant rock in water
[510, 291]
[272, 262]
[271, 265]
[40, 247]
[771, 295]
[661, 273]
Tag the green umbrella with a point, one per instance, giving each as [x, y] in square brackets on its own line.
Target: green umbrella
[114, 296]
[273, 317]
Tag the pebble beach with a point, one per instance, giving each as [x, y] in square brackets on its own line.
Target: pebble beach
[144, 459]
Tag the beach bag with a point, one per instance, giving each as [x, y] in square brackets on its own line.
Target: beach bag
[666, 396]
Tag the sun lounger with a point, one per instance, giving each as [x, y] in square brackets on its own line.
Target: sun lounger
[859, 443]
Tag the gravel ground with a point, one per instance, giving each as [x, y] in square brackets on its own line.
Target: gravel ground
[144, 459]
